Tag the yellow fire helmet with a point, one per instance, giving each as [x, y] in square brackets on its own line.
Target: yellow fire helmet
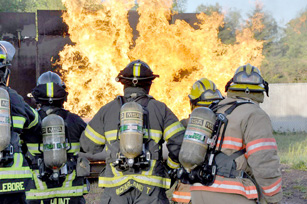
[203, 93]
[247, 78]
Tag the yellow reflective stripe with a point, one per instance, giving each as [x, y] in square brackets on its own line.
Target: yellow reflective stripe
[137, 69]
[111, 135]
[2, 56]
[55, 193]
[15, 173]
[18, 160]
[115, 172]
[172, 164]
[49, 88]
[154, 181]
[156, 135]
[18, 121]
[39, 184]
[94, 136]
[75, 147]
[172, 130]
[35, 121]
[69, 179]
[150, 170]
[85, 191]
[249, 86]
[33, 148]
[149, 180]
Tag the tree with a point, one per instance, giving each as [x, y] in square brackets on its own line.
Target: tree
[30, 5]
[264, 26]
[209, 9]
[232, 19]
[12, 6]
[287, 60]
[179, 5]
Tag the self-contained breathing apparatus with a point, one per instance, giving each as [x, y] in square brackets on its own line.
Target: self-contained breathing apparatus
[6, 149]
[202, 140]
[55, 164]
[134, 122]
[9, 140]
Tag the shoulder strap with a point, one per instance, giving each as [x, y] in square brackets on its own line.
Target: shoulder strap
[235, 105]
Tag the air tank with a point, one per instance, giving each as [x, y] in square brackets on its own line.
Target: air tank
[5, 119]
[131, 130]
[54, 151]
[196, 138]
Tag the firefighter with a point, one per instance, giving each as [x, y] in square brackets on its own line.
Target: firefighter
[66, 186]
[202, 94]
[18, 121]
[134, 174]
[248, 168]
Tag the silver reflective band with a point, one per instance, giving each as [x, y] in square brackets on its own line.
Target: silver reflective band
[49, 194]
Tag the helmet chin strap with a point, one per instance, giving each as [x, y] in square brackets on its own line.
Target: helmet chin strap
[266, 87]
[228, 84]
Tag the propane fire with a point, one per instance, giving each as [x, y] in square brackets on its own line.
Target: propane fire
[180, 54]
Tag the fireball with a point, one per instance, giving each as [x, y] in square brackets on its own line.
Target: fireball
[103, 45]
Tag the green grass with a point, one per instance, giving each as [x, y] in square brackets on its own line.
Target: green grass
[302, 189]
[292, 149]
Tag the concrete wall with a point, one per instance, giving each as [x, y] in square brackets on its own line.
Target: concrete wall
[287, 107]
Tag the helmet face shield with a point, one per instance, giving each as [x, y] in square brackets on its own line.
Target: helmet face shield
[244, 78]
[50, 77]
[9, 49]
[2, 59]
[211, 95]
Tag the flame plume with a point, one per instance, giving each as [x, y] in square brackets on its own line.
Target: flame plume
[180, 54]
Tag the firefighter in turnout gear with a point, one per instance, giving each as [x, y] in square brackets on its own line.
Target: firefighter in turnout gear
[54, 185]
[203, 94]
[135, 172]
[247, 164]
[18, 122]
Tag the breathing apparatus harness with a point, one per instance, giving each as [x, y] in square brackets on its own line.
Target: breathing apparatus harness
[205, 173]
[141, 162]
[47, 174]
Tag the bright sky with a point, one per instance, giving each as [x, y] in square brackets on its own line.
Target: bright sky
[281, 10]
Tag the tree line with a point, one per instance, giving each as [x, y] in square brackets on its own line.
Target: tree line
[284, 47]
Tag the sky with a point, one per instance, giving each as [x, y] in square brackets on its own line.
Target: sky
[281, 10]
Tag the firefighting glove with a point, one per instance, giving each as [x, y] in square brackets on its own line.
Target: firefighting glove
[172, 174]
[83, 167]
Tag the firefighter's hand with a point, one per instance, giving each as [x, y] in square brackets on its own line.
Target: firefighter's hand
[172, 174]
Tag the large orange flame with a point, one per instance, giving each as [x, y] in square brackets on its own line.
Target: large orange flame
[179, 53]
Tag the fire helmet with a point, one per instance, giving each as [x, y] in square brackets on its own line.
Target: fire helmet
[7, 52]
[136, 73]
[248, 78]
[203, 93]
[50, 88]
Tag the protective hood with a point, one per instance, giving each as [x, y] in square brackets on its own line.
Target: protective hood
[255, 96]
